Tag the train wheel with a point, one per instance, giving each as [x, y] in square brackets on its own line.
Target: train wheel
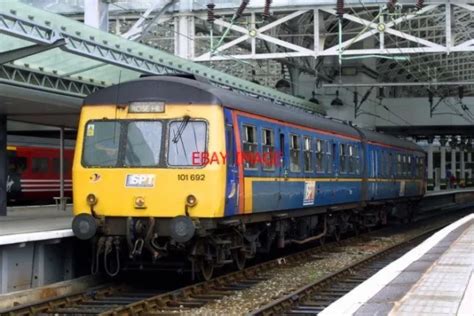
[239, 258]
[206, 268]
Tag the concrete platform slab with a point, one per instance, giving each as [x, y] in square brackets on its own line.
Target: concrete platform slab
[435, 278]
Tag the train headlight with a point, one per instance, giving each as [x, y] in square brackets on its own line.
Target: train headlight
[191, 200]
[91, 199]
[84, 226]
[182, 228]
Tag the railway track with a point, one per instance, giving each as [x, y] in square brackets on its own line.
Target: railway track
[90, 302]
[120, 299]
[315, 297]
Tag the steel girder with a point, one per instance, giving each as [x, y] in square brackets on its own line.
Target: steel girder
[32, 24]
[28, 78]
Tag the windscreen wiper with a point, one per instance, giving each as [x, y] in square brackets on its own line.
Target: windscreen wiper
[181, 128]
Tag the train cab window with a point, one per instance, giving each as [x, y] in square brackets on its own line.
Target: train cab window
[250, 146]
[319, 155]
[342, 158]
[308, 155]
[39, 165]
[185, 138]
[295, 153]
[268, 146]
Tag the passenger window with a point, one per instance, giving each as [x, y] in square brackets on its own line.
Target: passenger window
[331, 149]
[39, 165]
[390, 165]
[295, 154]
[66, 165]
[268, 144]
[319, 155]
[350, 153]
[399, 164]
[356, 159]
[250, 147]
[342, 158]
[16, 164]
[409, 167]
[308, 155]
[404, 164]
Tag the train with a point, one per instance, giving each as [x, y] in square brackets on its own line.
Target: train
[33, 171]
[175, 170]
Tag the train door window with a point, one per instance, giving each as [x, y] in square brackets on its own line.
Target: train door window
[295, 153]
[319, 155]
[250, 146]
[350, 155]
[308, 154]
[39, 165]
[342, 158]
[229, 133]
[282, 150]
[331, 150]
[268, 146]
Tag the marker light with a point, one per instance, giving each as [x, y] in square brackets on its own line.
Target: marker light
[91, 199]
[146, 107]
[191, 200]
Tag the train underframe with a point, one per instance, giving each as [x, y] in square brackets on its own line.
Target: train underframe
[207, 244]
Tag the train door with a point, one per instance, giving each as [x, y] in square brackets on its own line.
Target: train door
[232, 188]
[283, 169]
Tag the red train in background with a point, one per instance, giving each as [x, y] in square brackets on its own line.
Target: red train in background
[33, 173]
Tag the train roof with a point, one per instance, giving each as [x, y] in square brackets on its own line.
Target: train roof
[189, 90]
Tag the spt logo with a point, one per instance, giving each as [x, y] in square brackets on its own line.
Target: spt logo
[140, 180]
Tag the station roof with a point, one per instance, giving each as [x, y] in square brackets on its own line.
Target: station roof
[67, 60]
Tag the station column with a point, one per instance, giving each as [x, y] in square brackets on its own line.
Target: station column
[469, 164]
[3, 165]
[462, 166]
[430, 165]
[443, 183]
[453, 157]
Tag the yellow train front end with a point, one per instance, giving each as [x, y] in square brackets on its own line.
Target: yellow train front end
[137, 177]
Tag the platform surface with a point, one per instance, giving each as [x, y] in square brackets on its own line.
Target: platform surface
[449, 191]
[435, 278]
[34, 219]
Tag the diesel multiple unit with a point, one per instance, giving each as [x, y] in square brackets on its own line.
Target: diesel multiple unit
[172, 167]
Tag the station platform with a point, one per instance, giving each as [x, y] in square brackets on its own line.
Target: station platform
[31, 223]
[435, 278]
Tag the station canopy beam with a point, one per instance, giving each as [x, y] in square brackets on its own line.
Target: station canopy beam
[87, 47]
